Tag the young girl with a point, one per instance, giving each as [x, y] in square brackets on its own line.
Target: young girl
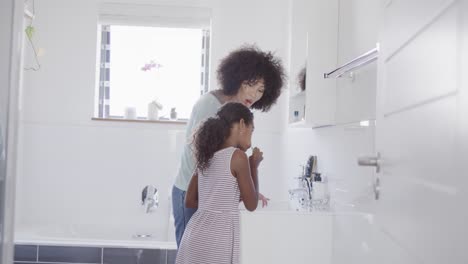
[224, 176]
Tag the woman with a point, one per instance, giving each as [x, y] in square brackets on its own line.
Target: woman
[248, 76]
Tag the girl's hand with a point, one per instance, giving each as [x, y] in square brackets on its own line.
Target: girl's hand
[256, 157]
[264, 199]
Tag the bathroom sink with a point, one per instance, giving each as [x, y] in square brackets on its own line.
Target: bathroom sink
[280, 206]
[279, 234]
[288, 236]
[272, 206]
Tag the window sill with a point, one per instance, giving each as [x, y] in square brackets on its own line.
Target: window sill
[164, 121]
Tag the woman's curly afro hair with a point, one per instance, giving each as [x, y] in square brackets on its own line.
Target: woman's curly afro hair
[250, 64]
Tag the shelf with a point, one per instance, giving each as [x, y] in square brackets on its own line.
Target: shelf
[298, 124]
[298, 94]
[161, 121]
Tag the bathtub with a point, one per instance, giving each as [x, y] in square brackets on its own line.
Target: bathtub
[45, 246]
[85, 236]
[127, 226]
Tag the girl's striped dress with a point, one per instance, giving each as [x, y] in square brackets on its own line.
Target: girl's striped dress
[212, 234]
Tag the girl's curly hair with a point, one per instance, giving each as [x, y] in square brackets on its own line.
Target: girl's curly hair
[251, 64]
[211, 136]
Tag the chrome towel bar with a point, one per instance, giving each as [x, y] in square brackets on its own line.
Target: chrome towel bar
[356, 63]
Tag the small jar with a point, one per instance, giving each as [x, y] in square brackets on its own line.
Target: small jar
[173, 113]
[296, 116]
[153, 111]
[130, 112]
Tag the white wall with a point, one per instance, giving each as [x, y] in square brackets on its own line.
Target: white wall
[74, 172]
[337, 149]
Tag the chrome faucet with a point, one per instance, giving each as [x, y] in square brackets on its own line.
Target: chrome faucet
[308, 182]
[150, 198]
[312, 192]
[306, 179]
[304, 191]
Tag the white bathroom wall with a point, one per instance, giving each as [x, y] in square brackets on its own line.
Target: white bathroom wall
[75, 172]
[337, 149]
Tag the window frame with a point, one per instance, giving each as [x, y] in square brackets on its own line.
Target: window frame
[146, 15]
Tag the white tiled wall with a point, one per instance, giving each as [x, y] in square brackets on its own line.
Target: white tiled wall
[337, 149]
[75, 172]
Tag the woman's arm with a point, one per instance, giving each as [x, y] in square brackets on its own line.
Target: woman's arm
[248, 182]
[203, 109]
[191, 197]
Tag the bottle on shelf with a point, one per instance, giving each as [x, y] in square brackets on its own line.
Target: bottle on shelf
[296, 116]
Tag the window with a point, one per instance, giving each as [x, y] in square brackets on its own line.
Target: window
[139, 64]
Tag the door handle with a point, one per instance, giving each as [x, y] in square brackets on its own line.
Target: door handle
[371, 161]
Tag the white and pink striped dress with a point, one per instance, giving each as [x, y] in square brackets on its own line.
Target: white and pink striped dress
[212, 234]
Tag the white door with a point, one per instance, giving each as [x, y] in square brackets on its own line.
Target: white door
[422, 131]
[11, 17]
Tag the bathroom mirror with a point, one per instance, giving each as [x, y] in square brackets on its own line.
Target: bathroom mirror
[297, 99]
[298, 61]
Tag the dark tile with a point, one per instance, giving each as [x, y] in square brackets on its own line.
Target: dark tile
[133, 255]
[171, 256]
[70, 254]
[25, 253]
[19, 262]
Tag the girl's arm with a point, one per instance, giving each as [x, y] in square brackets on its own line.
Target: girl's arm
[248, 182]
[191, 197]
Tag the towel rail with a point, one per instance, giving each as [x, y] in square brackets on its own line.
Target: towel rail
[356, 63]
